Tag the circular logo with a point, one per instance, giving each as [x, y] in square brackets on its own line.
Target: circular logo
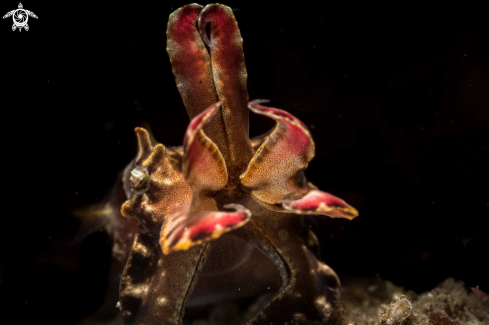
[20, 17]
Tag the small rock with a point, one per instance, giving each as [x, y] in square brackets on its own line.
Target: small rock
[397, 311]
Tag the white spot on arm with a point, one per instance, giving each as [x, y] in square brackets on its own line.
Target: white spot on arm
[162, 301]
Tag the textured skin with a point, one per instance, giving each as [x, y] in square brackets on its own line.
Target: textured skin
[224, 205]
[285, 151]
[193, 73]
[229, 72]
[167, 193]
[317, 202]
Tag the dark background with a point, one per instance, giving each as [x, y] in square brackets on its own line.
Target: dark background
[396, 99]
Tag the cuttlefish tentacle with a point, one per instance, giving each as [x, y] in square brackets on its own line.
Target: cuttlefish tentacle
[319, 202]
[202, 227]
[191, 65]
[285, 151]
[229, 75]
[309, 287]
[155, 287]
[204, 168]
[306, 198]
[275, 174]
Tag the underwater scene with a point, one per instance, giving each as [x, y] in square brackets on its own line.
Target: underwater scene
[244, 163]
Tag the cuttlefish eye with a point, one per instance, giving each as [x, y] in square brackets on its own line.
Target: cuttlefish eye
[139, 180]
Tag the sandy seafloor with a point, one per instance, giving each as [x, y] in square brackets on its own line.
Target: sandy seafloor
[363, 301]
[369, 301]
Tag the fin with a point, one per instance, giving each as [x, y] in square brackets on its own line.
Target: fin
[95, 216]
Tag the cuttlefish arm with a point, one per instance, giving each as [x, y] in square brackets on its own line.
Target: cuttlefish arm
[309, 287]
[205, 171]
[230, 76]
[205, 76]
[191, 65]
[155, 287]
[275, 173]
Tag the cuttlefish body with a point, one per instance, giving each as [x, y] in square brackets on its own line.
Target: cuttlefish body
[222, 215]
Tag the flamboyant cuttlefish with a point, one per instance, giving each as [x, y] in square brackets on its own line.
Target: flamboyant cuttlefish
[222, 215]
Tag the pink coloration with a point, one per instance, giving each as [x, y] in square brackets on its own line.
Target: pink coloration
[223, 27]
[284, 152]
[204, 226]
[255, 106]
[314, 198]
[229, 76]
[261, 180]
[318, 202]
[203, 164]
[205, 223]
[199, 121]
[297, 136]
[193, 73]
